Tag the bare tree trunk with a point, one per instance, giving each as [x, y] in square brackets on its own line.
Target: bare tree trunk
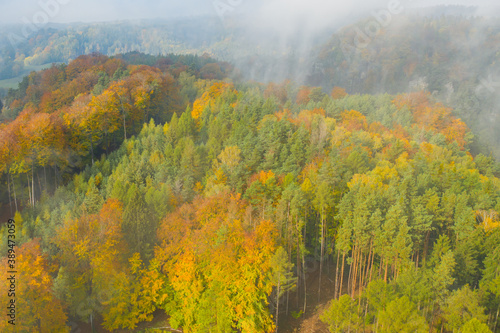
[33, 185]
[360, 284]
[342, 275]
[496, 320]
[304, 278]
[349, 284]
[336, 275]
[39, 183]
[386, 267]
[371, 267]
[321, 257]
[369, 262]
[431, 325]
[355, 270]
[298, 260]
[92, 322]
[29, 188]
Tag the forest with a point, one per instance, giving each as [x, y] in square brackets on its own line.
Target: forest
[145, 187]
[453, 56]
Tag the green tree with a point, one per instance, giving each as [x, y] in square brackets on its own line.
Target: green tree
[462, 306]
[475, 326]
[138, 225]
[342, 315]
[401, 315]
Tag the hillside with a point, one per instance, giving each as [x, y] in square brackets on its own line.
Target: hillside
[441, 50]
[455, 58]
[159, 190]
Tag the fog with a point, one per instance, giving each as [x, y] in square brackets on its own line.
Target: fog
[313, 14]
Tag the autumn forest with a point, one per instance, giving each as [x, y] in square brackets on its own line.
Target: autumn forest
[168, 193]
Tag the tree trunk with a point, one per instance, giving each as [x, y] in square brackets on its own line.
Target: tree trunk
[278, 302]
[496, 320]
[33, 184]
[367, 267]
[14, 190]
[426, 244]
[92, 149]
[10, 201]
[321, 256]
[124, 127]
[386, 267]
[336, 275]
[55, 178]
[298, 260]
[360, 284]
[304, 262]
[107, 144]
[39, 183]
[45, 176]
[431, 325]
[304, 278]
[92, 322]
[342, 275]
[29, 188]
[371, 267]
[380, 267]
[354, 271]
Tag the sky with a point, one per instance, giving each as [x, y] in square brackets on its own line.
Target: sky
[269, 11]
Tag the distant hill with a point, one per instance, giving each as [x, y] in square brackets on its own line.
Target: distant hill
[454, 57]
[62, 43]
[444, 50]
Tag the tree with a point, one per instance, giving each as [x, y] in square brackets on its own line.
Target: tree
[37, 309]
[461, 307]
[138, 225]
[401, 315]
[92, 251]
[137, 292]
[282, 277]
[475, 326]
[338, 93]
[342, 315]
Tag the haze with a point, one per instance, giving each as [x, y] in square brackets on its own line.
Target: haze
[286, 12]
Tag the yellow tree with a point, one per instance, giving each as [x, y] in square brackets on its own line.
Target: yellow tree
[92, 251]
[37, 309]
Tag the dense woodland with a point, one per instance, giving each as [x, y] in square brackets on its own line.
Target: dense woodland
[168, 187]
